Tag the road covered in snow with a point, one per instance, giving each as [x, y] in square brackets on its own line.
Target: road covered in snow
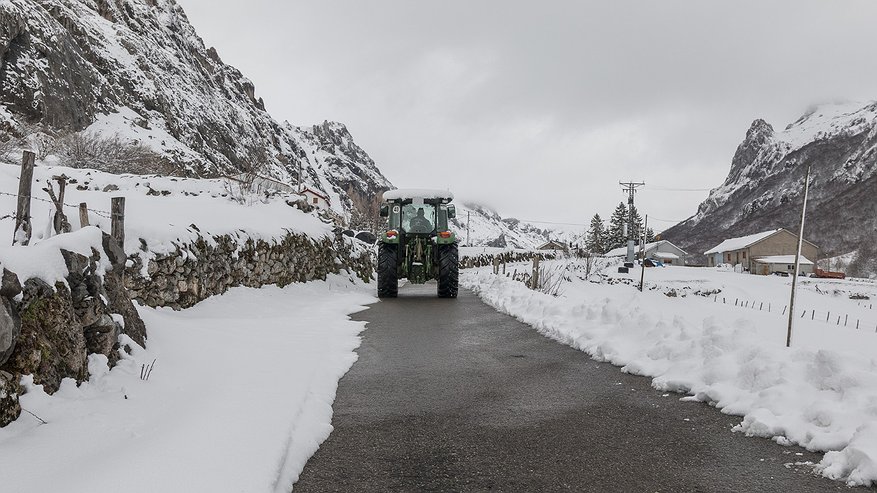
[239, 396]
[719, 337]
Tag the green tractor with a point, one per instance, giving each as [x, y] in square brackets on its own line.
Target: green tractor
[418, 244]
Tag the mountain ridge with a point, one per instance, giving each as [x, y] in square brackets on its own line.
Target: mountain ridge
[764, 186]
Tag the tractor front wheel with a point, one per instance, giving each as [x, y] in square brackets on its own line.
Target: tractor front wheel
[448, 271]
[388, 266]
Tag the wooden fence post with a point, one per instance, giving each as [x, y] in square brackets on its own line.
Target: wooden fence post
[23, 229]
[59, 220]
[117, 224]
[83, 214]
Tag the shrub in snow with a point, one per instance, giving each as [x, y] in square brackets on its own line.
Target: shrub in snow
[111, 154]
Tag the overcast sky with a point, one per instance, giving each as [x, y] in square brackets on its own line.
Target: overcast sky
[538, 109]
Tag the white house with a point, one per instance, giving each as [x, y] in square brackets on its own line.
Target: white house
[315, 198]
[663, 250]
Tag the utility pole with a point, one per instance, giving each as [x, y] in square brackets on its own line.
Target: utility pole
[798, 257]
[642, 249]
[468, 213]
[630, 188]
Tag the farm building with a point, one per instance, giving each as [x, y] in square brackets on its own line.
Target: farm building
[553, 245]
[663, 250]
[315, 198]
[764, 253]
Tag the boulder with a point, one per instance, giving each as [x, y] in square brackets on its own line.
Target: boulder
[10, 389]
[10, 328]
[10, 286]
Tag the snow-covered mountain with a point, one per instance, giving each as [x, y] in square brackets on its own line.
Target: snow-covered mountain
[138, 69]
[764, 188]
[487, 228]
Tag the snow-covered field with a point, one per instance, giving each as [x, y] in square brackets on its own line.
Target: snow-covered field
[238, 399]
[161, 210]
[686, 333]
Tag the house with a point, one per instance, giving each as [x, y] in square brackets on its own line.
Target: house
[783, 264]
[553, 245]
[764, 253]
[663, 250]
[315, 198]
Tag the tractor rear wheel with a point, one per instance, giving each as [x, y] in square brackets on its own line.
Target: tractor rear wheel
[388, 266]
[448, 271]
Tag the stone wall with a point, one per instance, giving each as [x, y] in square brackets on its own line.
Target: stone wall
[485, 259]
[48, 331]
[206, 267]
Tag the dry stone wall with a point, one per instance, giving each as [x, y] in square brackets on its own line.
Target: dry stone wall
[49, 331]
[210, 266]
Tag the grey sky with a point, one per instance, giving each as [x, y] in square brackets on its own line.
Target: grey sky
[538, 109]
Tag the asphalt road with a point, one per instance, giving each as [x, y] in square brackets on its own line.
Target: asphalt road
[449, 395]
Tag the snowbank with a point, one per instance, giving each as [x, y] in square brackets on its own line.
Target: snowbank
[239, 398]
[159, 211]
[44, 260]
[820, 394]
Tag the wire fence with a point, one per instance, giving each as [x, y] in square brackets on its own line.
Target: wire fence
[835, 318]
[105, 214]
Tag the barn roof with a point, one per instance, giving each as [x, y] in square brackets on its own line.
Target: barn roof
[732, 244]
[622, 251]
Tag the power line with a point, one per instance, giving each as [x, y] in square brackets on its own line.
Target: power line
[666, 189]
[668, 220]
[550, 222]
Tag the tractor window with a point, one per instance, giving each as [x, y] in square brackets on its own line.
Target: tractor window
[418, 218]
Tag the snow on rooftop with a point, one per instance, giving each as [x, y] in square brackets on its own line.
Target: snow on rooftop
[782, 259]
[732, 244]
[622, 251]
[421, 193]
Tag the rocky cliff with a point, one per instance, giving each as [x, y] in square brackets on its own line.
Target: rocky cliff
[764, 188]
[138, 69]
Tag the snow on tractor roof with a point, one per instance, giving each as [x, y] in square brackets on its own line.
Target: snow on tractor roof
[417, 193]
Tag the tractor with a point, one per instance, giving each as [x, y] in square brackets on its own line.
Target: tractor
[418, 244]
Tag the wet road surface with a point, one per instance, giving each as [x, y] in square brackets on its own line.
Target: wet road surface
[450, 395]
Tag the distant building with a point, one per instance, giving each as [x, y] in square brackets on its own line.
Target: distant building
[315, 198]
[764, 253]
[663, 250]
[554, 245]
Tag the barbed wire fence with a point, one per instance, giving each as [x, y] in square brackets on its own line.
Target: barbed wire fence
[22, 215]
[837, 319]
[98, 212]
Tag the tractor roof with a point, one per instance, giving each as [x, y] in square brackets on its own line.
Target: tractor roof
[418, 193]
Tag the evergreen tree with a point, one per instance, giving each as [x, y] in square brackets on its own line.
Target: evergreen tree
[615, 236]
[595, 242]
[650, 235]
[636, 234]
